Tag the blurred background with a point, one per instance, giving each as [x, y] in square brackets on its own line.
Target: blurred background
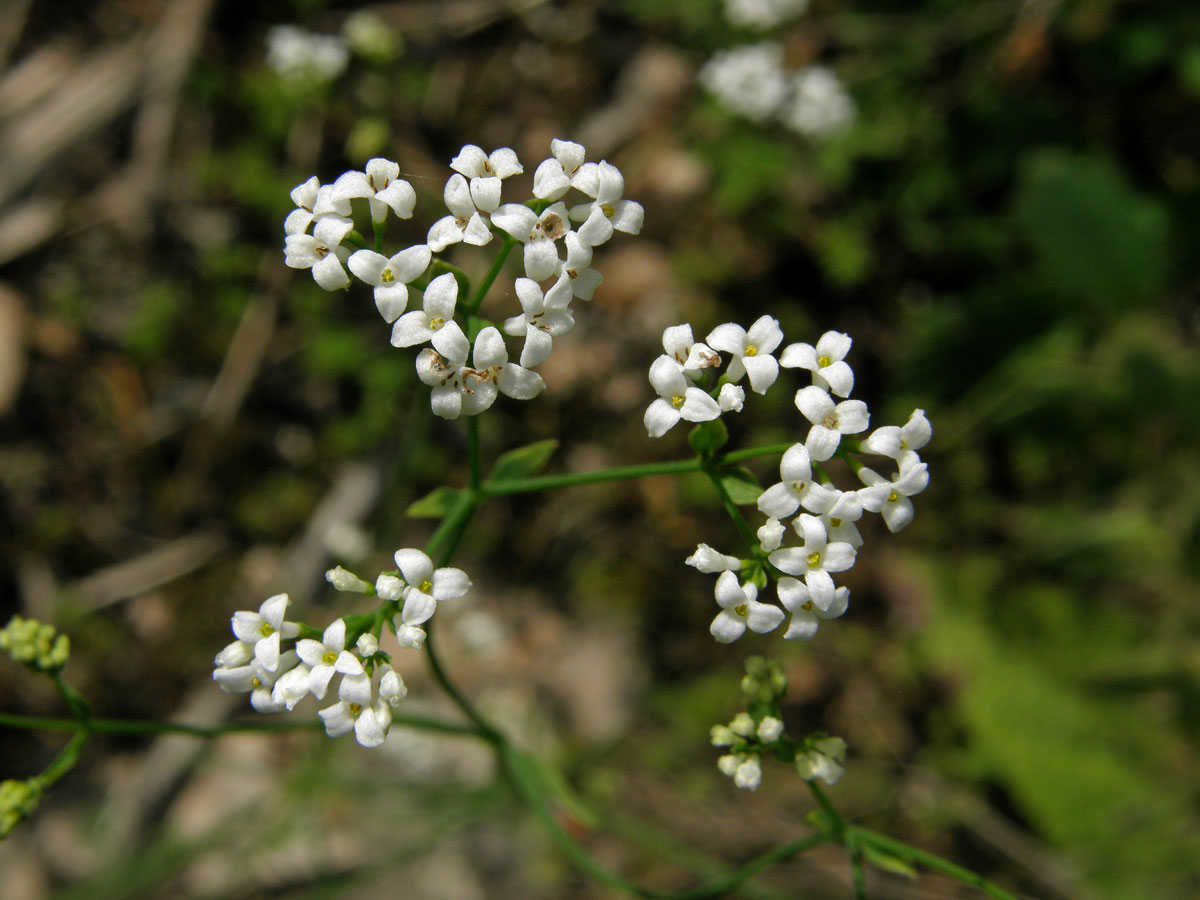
[996, 199]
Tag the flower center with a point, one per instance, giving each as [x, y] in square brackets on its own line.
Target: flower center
[267, 629]
[321, 250]
[607, 209]
[436, 322]
[552, 226]
[823, 361]
[255, 682]
[356, 709]
[893, 497]
[807, 606]
[742, 609]
[425, 586]
[814, 560]
[831, 421]
[750, 350]
[799, 486]
[677, 401]
[329, 657]
[386, 276]
[836, 523]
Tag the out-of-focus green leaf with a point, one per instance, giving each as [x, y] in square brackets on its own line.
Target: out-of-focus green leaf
[741, 485]
[434, 505]
[523, 461]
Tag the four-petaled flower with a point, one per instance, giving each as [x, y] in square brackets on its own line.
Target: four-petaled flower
[543, 318]
[677, 399]
[435, 321]
[327, 657]
[321, 251]
[806, 613]
[815, 560]
[829, 421]
[486, 172]
[390, 277]
[464, 223]
[604, 183]
[426, 586]
[826, 361]
[740, 610]
[383, 188]
[264, 629]
[751, 351]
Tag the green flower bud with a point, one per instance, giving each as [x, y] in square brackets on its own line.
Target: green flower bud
[18, 800]
[35, 644]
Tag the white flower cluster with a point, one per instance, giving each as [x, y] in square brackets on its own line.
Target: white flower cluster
[278, 668]
[300, 56]
[558, 242]
[751, 80]
[829, 538]
[762, 14]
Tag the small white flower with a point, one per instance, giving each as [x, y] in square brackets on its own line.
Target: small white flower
[486, 173]
[382, 186]
[604, 183]
[769, 729]
[806, 615]
[389, 587]
[691, 355]
[302, 57]
[826, 361]
[345, 580]
[829, 421]
[291, 687]
[464, 223]
[367, 644]
[321, 251]
[901, 443]
[677, 399]
[369, 721]
[796, 487]
[742, 724]
[740, 610]
[305, 197]
[451, 397]
[890, 497]
[392, 688]
[409, 637]
[839, 519]
[576, 269]
[748, 775]
[490, 366]
[264, 629]
[553, 176]
[770, 535]
[434, 322]
[748, 80]
[709, 561]
[824, 761]
[543, 318]
[751, 351]
[721, 736]
[390, 277]
[815, 560]
[818, 105]
[327, 657]
[255, 679]
[537, 233]
[426, 586]
[731, 397]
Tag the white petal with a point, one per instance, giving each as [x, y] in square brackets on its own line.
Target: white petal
[840, 378]
[541, 259]
[815, 403]
[728, 337]
[520, 383]
[763, 617]
[799, 356]
[399, 197]
[443, 233]
[485, 193]
[477, 234]
[763, 370]
[852, 416]
[516, 219]
[726, 628]
[660, 417]
[450, 341]
[367, 265]
[699, 406]
[391, 300]
[329, 274]
[450, 583]
[538, 345]
[822, 442]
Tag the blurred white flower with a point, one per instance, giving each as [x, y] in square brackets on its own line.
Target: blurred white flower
[299, 56]
[817, 105]
[749, 80]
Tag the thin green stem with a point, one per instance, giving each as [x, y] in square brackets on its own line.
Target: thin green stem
[66, 759]
[857, 873]
[836, 823]
[482, 727]
[486, 284]
[930, 861]
[739, 520]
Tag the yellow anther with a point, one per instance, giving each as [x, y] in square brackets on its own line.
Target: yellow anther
[386, 276]
[823, 361]
[329, 657]
[677, 401]
[750, 350]
[814, 560]
[436, 322]
[742, 609]
[607, 209]
[425, 586]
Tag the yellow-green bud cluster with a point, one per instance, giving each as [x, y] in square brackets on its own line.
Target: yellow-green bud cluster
[18, 800]
[35, 644]
[764, 681]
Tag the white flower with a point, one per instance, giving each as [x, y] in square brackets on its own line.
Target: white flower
[264, 629]
[389, 587]
[890, 497]
[464, 222]
[305, 197]
[815, 560]
[824, 761]
[762, 14]
[300, 56]
[742, 724]
[367, 645]
[327, 657]
[692, 356]
[575, 269]
[490, 366]
[543, 318]
[537, 233]
[486, 172]
[677, 399]
[392, 688]
[435, 321]
[345, 580]
[553, 176]
[731, 398]
[839, 518]
[900, 443]
[740, 610]
[291, 687]
[825, 361]
[426, 586]
[255, 679]
[796, 487]
[806, 614]
[321, 251]
[721, 736]
[382, 186]
[818, 105]
[829, 422]
[370, 722]
[770, 535]
[769, 729]
[451, 396]
[709, 561]
[748, 80]
[604, 183]
[751, 351]
[410, 637]
[390, 277]
[748, 774]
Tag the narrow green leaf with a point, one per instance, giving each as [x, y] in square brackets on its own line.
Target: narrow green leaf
[888, 862]
[524, 461]
[708, 437]
[741, 485]
[434, 505]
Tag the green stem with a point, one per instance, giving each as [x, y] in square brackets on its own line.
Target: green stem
[836, 823]
[486, 284]
[621, 473]
[739, 520]
[857, 873]
[929, 861]
[65, 761]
